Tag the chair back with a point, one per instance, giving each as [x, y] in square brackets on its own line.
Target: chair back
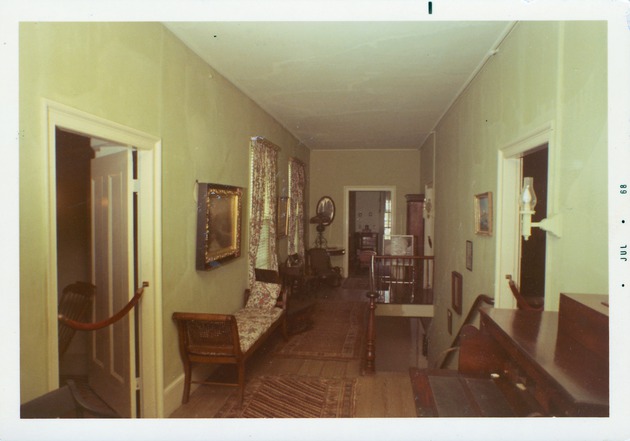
[319, 260]
[365, 257]
[75, 304]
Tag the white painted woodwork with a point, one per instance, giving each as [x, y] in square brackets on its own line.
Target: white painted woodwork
[112, 349]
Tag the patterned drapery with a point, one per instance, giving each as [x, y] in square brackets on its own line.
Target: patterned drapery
[262, 223]
[297, 182]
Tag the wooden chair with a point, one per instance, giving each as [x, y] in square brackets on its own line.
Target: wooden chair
[365, 258]
[75, 304]
[529, 303]
[294, 275]
[321, 267]
[65, 402]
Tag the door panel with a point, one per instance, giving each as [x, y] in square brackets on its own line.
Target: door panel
[429, 232]
[112, 250]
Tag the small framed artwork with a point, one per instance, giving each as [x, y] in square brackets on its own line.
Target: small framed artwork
[469, 255]
[218, 225]
[483, 214]
[449, 321]
[283, 218]
[456, 291]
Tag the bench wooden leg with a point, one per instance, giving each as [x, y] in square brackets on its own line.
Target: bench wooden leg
[285, 329]
[241, 382]
[187, 380]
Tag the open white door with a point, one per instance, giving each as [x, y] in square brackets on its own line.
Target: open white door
[112, 354]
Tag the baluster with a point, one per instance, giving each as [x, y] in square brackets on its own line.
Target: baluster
[370, 350]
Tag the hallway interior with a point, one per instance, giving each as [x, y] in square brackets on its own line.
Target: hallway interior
[387, 393]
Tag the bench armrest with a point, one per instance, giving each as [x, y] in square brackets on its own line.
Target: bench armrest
[201, 334]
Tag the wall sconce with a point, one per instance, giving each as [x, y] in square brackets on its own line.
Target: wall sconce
[528, 202]
[426, 208]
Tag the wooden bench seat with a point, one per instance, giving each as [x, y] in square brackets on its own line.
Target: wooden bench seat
[231, 338]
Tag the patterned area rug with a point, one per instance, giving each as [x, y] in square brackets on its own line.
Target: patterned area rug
[293, 397]
[356, 282]
[337, 333]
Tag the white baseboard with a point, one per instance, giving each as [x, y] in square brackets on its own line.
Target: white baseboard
[174, 391]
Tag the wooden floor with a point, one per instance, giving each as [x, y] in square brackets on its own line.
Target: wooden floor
[387, 393]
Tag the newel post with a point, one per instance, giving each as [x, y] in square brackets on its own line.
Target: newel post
[370, 350]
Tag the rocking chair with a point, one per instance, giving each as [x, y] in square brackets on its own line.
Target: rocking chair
[75, 304]
[65, 402]
[322, 269]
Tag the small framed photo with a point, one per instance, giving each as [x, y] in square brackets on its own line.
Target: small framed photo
[456, 291]
[283, 218]
[483, 214]
[218, 225]
[469, 255]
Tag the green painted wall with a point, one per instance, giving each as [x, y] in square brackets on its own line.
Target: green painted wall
[141, 76]
[543, 72]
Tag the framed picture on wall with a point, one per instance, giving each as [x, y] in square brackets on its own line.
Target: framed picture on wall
[469, 255]
[218, 224]
[483, 214]
[456, 291]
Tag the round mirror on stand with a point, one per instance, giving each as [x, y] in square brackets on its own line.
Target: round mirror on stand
[325, 213]
[326, 210]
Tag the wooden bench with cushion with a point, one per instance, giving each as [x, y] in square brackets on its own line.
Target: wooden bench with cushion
[231, 338]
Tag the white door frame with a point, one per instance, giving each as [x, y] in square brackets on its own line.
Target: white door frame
[149, 150]
[508, 220]
[346, 212]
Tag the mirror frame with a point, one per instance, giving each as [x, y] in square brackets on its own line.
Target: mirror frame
[320, 208]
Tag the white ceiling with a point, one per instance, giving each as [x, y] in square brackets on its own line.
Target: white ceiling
[348, 85]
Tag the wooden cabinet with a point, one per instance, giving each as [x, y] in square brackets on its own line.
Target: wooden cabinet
[415, 221]
[526, 363]
[366, 241]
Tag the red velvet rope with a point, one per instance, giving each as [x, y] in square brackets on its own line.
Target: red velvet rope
[80, 326]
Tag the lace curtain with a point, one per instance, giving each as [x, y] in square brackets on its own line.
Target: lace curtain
[262, 223]
[297, 182]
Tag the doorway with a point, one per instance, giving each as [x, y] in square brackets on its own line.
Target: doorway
[97, 244]
[369, 218]
[533, 250]
[147, 168]
[532, 155]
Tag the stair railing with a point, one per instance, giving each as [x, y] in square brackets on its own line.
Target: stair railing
[446, 355]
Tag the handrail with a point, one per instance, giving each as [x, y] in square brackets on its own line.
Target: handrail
[81, 326]
[481, 298]
[417, 264]
[373, 295]
[521, 302]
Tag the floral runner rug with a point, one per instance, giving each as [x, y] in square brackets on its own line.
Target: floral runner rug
[293, 397]
[337, 333]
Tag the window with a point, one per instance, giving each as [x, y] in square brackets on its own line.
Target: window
[297, 181]
[262, 225]
[387, 219]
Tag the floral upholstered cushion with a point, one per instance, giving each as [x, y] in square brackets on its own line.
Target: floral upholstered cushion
[263, 295]
[252, 323]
